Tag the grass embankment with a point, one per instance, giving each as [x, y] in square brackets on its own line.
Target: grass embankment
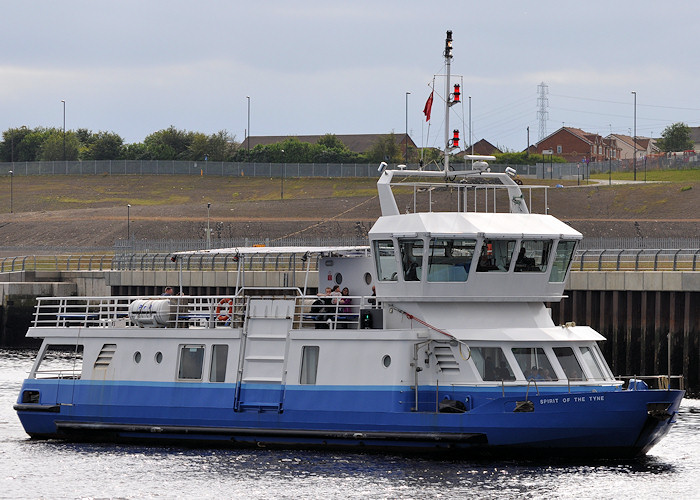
[690, 175]
[59, 192]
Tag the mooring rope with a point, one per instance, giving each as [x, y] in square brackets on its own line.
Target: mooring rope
[326, 220]
[425, 323]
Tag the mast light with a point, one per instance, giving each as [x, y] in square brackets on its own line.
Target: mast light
[448, 45]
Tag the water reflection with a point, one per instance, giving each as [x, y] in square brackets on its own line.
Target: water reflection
[67, 470]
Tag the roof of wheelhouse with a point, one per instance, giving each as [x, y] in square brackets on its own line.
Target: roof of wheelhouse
[472, 224]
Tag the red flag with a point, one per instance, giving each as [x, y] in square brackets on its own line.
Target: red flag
[428, 107]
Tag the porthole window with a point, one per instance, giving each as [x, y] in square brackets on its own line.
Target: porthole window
[386, 360]
[159, 357]
[368, 278]
[137, 357]
[338, 278]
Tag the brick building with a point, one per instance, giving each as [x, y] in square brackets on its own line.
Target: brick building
[575, 145]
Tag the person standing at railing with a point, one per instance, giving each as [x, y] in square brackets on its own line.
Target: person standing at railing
[345, 301]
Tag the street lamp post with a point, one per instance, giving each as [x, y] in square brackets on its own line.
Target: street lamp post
[64, 129]
[406, 138]
[282, 177]
[247, 146]
[208, 230]
[471, 136]
[635, 134]
[12, 174]
[128, 222]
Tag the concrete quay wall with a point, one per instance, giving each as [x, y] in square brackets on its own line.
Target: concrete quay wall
[651, 319]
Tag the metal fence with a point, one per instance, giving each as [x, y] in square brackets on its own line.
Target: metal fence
[543, 170]
[639, 243]
[584, 260]
[173, 167]
[636, 260]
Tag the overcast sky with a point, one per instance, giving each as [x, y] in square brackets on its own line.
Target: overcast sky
[315, 67]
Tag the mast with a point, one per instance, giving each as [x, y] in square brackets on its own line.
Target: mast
[448, 58]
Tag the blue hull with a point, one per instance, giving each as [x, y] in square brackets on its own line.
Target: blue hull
[614, 422]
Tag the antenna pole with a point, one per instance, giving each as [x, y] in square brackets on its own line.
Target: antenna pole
[448, 58]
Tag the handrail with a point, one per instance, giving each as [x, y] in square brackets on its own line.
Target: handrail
[583, 260]
[310, 311]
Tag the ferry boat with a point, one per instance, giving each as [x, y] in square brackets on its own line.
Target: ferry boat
[454, 352]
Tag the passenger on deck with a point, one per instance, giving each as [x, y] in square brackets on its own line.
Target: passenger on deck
[168, 291]
[336, 294]
[345, 310]
[319, 308]
[345, 301]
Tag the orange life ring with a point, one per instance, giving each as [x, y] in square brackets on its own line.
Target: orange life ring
[221, 309]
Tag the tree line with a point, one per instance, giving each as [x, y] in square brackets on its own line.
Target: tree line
[52, 144]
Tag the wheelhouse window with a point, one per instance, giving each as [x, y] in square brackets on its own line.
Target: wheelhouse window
[385, 258]
[534, 363]
[562, 260]
[219, 356]
[533, 256]
[569, 363]
[492, 364]
[191, 361]
[411, 258]
[309, 364]
[450, 259]
[495, 255]
[591, 362]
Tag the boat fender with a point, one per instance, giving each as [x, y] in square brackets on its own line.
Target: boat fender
[451, 406]
[637, 385]
[224, 309]
[524, 407]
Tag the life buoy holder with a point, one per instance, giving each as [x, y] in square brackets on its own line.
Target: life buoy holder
[224, 309]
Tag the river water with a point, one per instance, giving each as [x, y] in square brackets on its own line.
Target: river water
[56, 470]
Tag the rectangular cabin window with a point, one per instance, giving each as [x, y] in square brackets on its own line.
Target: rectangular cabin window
[219, 356]
[309, 364]
[59, 361]
[385, 259]
[569, 363]
[411, 258]
[495, 256]
[492, 364]
[533, 256]
[534, 363]
[191, 361]
[450, 259]
[592, 363]
[562, 260]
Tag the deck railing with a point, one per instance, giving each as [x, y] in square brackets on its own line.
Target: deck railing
[584, 260]
[184, 311]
